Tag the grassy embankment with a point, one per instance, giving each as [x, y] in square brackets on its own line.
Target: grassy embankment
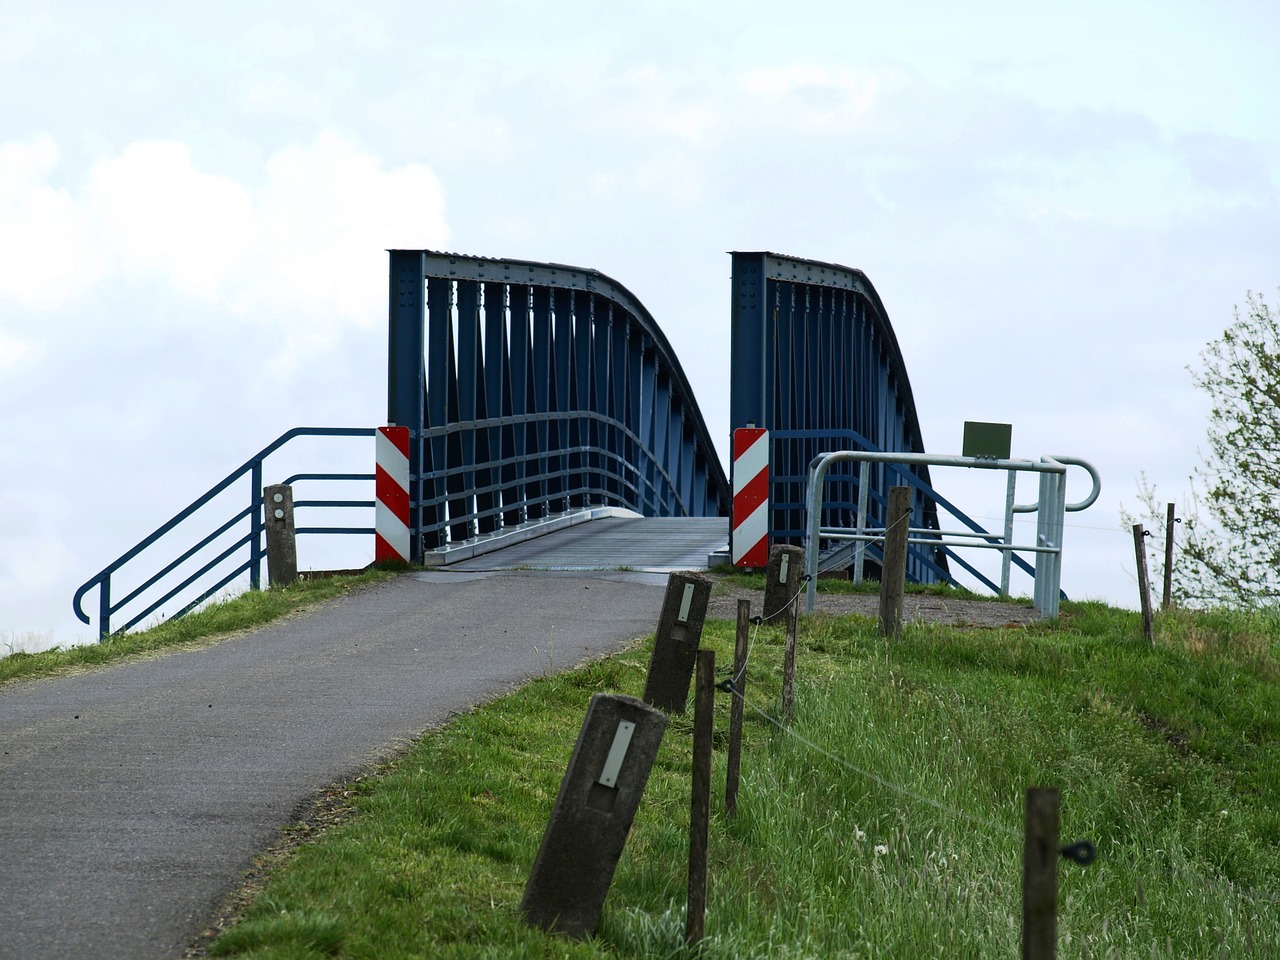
[250, 609]
[1168, 759]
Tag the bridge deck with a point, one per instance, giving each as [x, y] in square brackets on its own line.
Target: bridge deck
[649, 544]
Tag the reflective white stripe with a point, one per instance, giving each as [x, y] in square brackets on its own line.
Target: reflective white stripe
[750, 463]
[390, 459]
[392, 529]
[748, 534]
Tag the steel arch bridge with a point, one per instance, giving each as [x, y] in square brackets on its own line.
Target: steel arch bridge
[538, 388]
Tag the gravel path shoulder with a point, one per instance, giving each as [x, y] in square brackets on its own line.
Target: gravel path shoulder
[916, 608]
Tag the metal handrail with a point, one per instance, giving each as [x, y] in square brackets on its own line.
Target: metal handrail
[647, 487]
[252, 467]
[1051, 504]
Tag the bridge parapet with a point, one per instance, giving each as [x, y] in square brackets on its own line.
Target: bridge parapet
[532, 389]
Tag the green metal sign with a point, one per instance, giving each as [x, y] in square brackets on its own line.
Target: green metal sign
[987, 440]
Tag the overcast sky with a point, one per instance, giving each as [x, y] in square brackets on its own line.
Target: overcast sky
[1059, 204]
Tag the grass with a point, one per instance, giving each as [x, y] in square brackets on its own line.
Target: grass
[1168, 759]
[250, 609]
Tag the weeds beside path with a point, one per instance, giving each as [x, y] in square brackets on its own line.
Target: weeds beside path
[215, 622]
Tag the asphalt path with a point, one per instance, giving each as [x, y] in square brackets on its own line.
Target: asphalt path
[134, 797]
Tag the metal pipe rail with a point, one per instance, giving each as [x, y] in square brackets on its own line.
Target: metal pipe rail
[1051, 506]
[252, 564]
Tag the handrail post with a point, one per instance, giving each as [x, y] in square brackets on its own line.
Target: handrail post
[817, 471]
[1006, 556]
[864, 492]
[104, 608]
[255, 525]
[1042, 540]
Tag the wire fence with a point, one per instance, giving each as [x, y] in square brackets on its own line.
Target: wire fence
[735, 686]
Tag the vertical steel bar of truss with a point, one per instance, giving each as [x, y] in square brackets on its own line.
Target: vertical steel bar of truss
[514, 497]
[470, 383]
[542, 374]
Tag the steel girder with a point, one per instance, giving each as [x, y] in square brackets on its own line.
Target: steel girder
[815, 361]
[537, 388]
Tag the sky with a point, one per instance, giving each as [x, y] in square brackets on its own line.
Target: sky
[1059, 205]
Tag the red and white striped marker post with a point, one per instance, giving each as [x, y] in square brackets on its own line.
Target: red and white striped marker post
[391, 491]
[750, 535]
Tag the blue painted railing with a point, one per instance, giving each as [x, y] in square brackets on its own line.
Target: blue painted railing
[158, 589]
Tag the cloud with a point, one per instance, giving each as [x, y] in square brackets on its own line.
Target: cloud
[306, 238]
[158, 215]
[14, 350]
[47, 254]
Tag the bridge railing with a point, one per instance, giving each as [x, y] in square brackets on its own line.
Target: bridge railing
[193, 556]
[1051, 506]
[535, 389]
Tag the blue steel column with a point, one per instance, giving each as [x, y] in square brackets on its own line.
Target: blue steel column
[495, 373]
[747, 354]
[470, 397]
[519, 365]
[406, 376]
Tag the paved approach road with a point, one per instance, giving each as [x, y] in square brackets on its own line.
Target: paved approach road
[132, 798]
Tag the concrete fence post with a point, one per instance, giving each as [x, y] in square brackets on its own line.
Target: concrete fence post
[282, 542]
[592, 816]
[675, 644]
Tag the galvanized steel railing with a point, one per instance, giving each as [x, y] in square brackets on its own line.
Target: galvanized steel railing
[1051, 506]
[532, 389]
[244, 528]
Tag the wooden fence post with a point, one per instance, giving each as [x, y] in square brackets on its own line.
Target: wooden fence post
[700, 811]
[893, 572]
[735, 709]
[1040, 853]
[1169, 521]
[1144, 585]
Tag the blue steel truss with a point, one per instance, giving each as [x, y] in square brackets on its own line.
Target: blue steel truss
[815, 361]
[531, 389]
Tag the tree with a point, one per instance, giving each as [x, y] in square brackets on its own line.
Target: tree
[1232, 554]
